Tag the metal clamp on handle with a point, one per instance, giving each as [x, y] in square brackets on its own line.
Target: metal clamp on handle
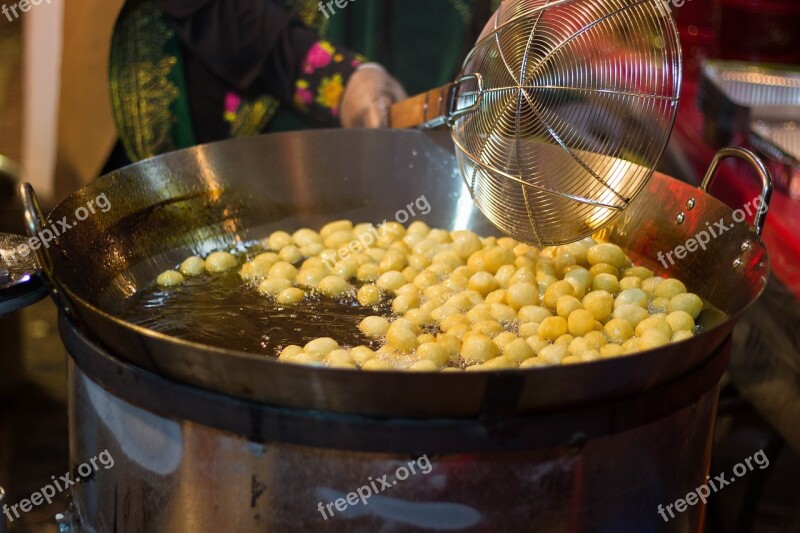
[34, 223]
[453, 111]
[758, 166]
[437, 107]
[447, 103]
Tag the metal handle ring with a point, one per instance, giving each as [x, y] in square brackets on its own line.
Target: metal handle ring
[34, 223]
[454, 113]
[758, 166]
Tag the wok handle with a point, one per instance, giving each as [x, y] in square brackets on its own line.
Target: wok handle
[9, 169]
[436, 107]
[758, 166]
[34, 223]
[420, 110]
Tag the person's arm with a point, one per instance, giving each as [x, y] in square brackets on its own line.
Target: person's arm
[257, 47]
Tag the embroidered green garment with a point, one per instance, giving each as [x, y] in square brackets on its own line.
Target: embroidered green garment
[158, 109]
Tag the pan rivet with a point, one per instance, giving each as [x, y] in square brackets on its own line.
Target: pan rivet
[745, 246]
[690, 204]
[737, 262]
[681, 218]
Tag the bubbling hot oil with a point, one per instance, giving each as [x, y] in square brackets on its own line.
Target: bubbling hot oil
[222, 310]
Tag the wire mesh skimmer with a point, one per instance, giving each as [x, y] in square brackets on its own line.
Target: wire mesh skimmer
[560, 113]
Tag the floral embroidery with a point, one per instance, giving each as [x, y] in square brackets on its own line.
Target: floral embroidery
[232, 104]
[330, 93]
[303, 97]
[324, 73]
[318, 57]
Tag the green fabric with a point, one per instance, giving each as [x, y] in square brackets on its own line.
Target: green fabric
[142, 88]
[182, 130]
[287, 120]
[421, 42]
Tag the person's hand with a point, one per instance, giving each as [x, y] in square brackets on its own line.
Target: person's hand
[368, 96]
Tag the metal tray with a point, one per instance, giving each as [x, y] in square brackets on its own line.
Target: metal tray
[733, 94]
[779, 143]
[756, 105]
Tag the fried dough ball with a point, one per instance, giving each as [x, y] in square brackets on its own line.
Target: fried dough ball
[310, 277]
[368, 295]
[600, 304]
[633, 314]
[607, 253]
[281, 270]
[435, 352]
[321, 347]
[518, 350]
[534, 362]
[669, 288]
[556, 291]
[277, 240]
[618, 330]
[334, 286]
[680, 321]
[273, 287]
[290, 296]
[305, 237]
[374, 326]
[522, 294]
[424, 365]
[362, 354]
[580, 322]
[220, 262]
[553, 327]
[289, 352]
[653, 323]
[631, 282]
[606, 282]
[377, 364]
[553, 353]
[170, 278]
[688, 302]
[479, 348]
[566, 305]
[402, 335]
[533, 313]
[193, 266]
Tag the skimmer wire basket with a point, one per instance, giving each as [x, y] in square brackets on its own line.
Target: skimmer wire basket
[561, 112]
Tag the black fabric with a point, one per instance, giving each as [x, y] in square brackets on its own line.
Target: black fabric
[480, 15]
[253, 47]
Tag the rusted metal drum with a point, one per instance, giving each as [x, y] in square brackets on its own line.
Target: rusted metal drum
[186, 459]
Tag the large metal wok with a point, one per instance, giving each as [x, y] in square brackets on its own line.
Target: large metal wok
[197, 200]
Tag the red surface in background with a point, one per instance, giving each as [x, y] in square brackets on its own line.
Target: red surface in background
[736, 184]
[758, 30]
